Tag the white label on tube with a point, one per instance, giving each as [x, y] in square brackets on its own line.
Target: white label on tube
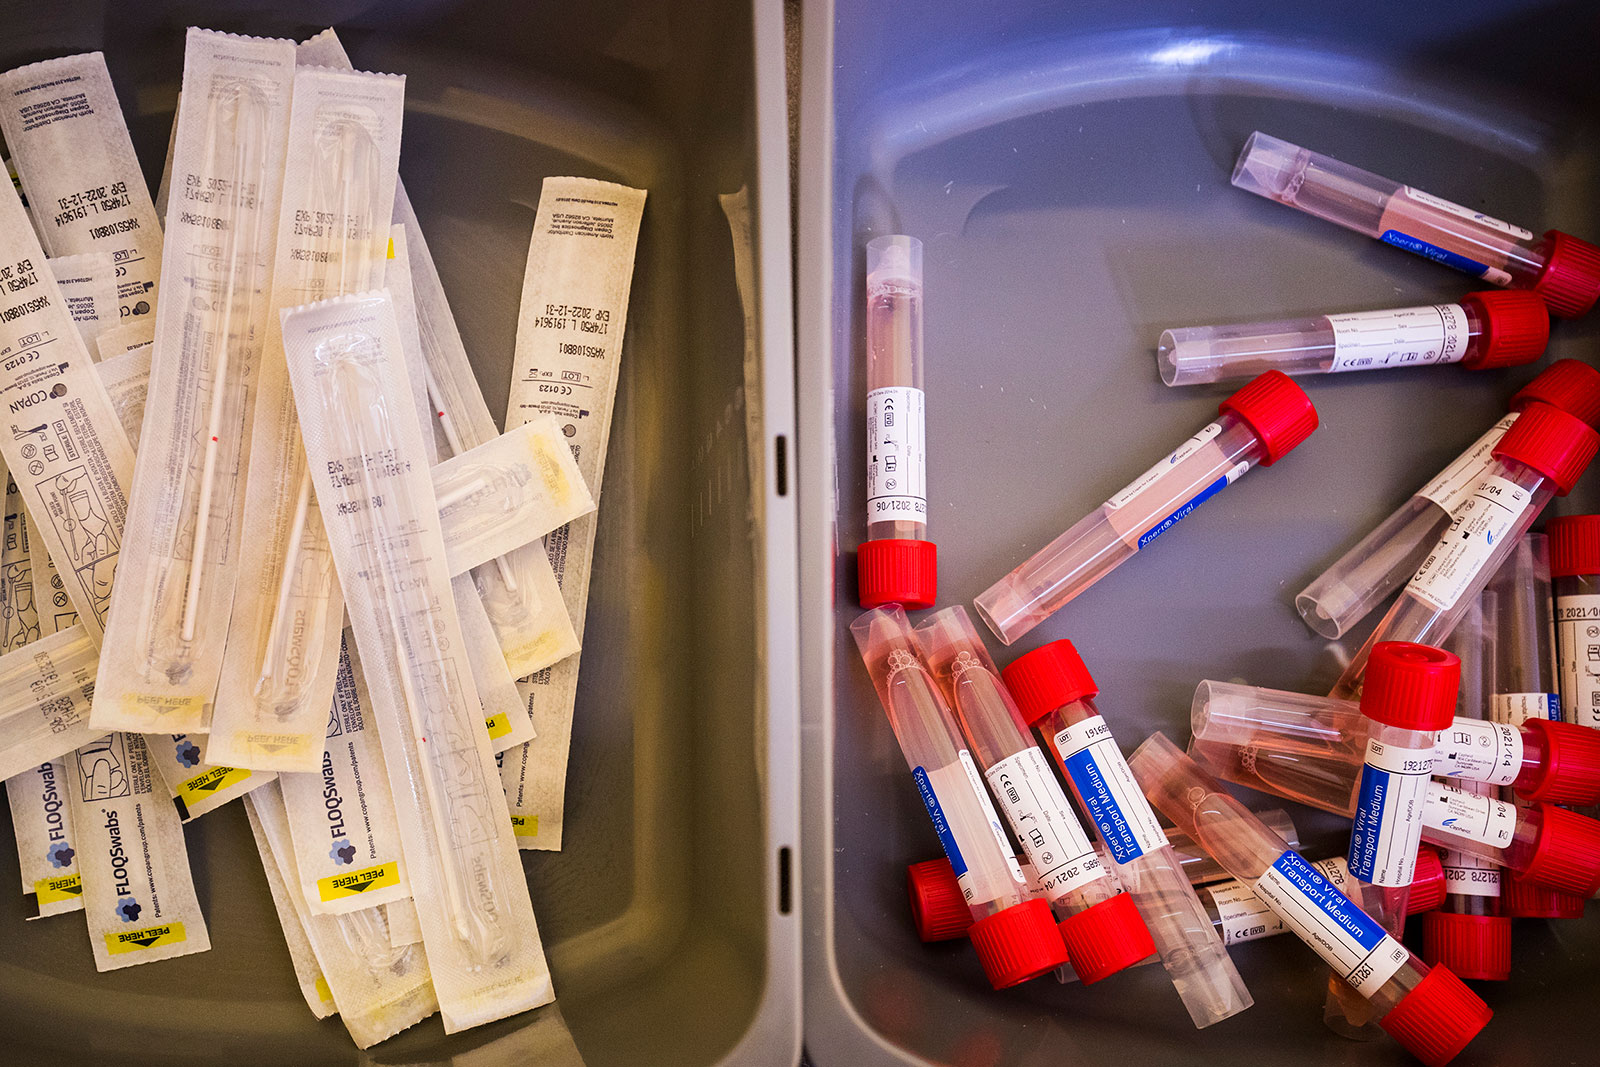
[1404, 337]
[1043, 821]
[1466, 875]
[1477, 751]
[976, 781]
[1514, 709]
[1245, 916]
[1484, 519]
[897, 470]
[1578, 638]
[1347, 938]
[1148, 478]
[1456, 482]
[1106, 786]
[1450, 207]
[1477, 818]
[1388, 822]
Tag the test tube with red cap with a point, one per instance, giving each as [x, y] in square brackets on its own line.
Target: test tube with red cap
[1540, 457]
[1259, 424]
[896, 564]
[1562, 269]
[1468, 933]
[1575, 573]
[1100, 925]
[1543, 844]
[1055, 693]
[1015, 937]
[1386, 558]
[1428, 1010]
[1498, 328]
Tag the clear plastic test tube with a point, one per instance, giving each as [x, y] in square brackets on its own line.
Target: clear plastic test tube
[1564, 270]
[1498, 328]
[1541, 456]
[1575, 574]
[1429, 1011]
[1259, 424]
[1015, 937]
[1468, 934]
[1100, 925]
[896, 564]
[1386, 558]
[1055, 693]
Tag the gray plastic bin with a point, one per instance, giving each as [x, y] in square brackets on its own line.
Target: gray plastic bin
[1066, 166]
[668, 921]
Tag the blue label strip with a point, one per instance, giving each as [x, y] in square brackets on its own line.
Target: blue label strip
[1367, 828]
[1183, 512]
[1552, 707]
[1362, 928]
[941, 825]
[1435, 253]
[1103, 807]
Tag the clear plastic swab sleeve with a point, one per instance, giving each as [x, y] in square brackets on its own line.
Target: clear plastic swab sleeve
[353, 395]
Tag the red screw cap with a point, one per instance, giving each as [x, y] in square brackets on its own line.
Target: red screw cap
[1050, 677]
[938, 907]
[1411, 686]
[1277, 411]
[1569, 768]
[1569, 384]
[1557, 445]
[1104, 939]
[1427, 884]
[1438, 1019]
[898, 571]
[1515, 325]
[1570, 280]
[1574, 545]
[1520, 899]
[1017, 944]
[1472, 946]
[1567, 854]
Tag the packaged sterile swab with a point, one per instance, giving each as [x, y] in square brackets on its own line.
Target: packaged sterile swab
[1431, 1012]
[196, 785]
[1236, 913]
[47, 848]
[896, 564]
[138, 893]
[1543, 844]
[125, 340]
[1499, 328]
[569, 333]
[1575, 573]
[1562, 269]
[353, 397]
[1015, 937]
[1258, 425]
[1101, 927]
[186, 519]
[1055, 693]
[1540, 457]
[1468, 933]
[71, 148]
[1386, 558]
[377, 988]
[307, 971]
[46, 688]
[88, 284]
[332, 234]
[19, 601]
[63, 434]
[342, 819]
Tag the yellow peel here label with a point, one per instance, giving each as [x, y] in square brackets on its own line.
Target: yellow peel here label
[54, 890]
[525, 825]
[119, 942]
[208, 784]
[323, 992]
[499, 726]
[340, 886]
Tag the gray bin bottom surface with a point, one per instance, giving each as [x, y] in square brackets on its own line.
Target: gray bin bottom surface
[665, 918]
[1068, 172]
